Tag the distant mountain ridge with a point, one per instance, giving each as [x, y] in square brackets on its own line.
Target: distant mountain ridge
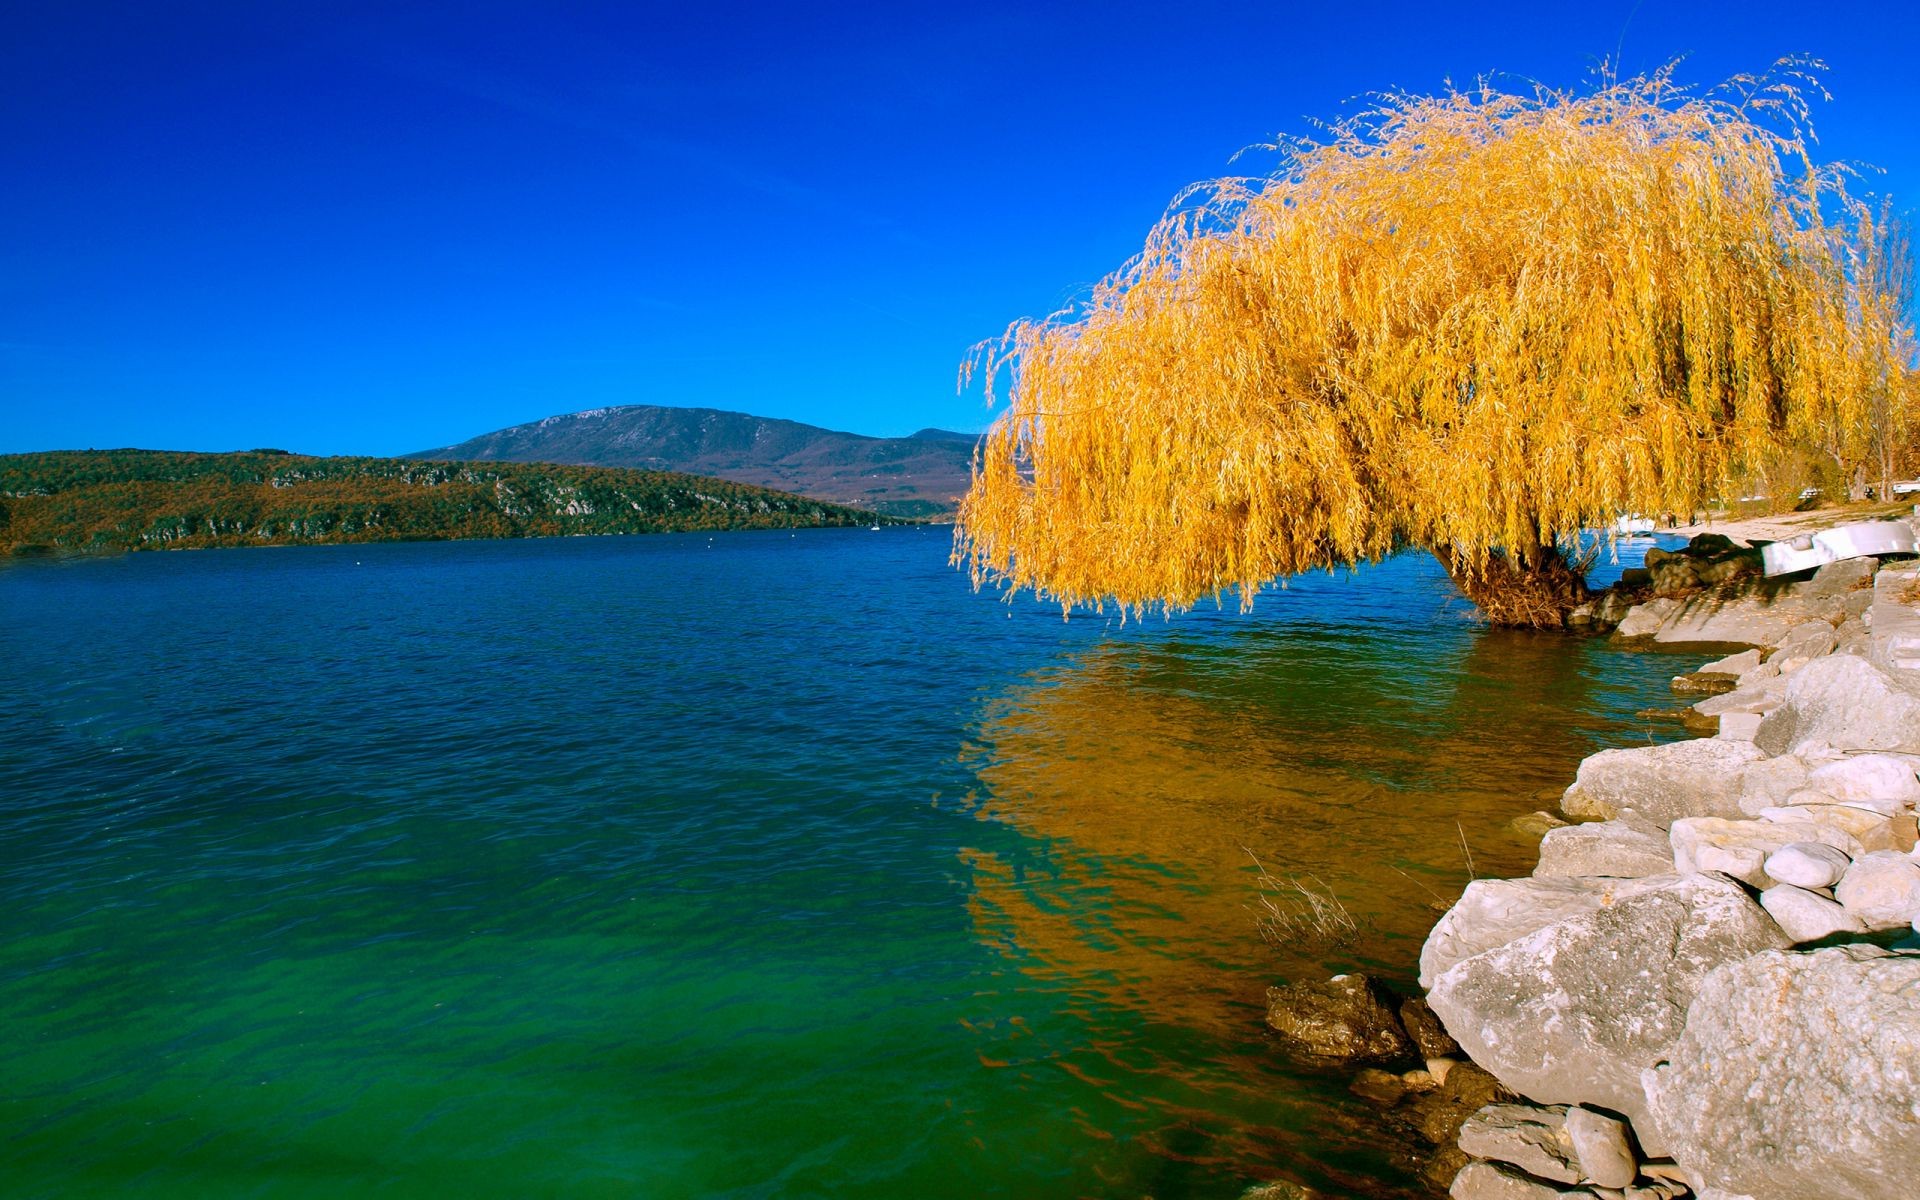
[918, 476]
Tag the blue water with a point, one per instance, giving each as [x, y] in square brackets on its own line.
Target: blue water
[747, 865]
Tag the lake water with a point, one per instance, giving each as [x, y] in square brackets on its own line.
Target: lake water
[752, 865]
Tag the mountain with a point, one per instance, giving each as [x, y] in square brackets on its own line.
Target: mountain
[918, 476]
[71, 500]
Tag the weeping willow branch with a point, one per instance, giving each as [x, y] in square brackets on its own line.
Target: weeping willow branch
[1477, 322]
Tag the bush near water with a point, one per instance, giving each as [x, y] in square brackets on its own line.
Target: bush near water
[66, 501]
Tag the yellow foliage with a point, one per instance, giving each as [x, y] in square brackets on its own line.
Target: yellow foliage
[1477, 322]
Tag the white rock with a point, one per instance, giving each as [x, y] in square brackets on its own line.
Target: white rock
[1878, 781]
[1740, 848]
[1805, 917]
[1531, 1138]
[1796, 1077]
[1621, 849]
[1698, 778]
[1574, 1011]
[1739, 726]
[1734, 664]
[1770, 781]
[1491, 1181]
[1846, 702]
[1870, 829]
[1493, 912]
[1644, 620]
[1600, 1146]
[1807, 865]
[1882, 889]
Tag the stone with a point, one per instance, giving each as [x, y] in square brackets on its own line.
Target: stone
[1770, 781]
[1712, 545]
[1853, 637]
[1705, 683]
[1673, 576]
[1835, 579]
[1748, 618]
[1467, 1088]
[1733, 664]
[1493, 912]
[1870, 829]
[1490, 1181]
[1740, 848]
[1877, 781]
[1807, 865]
[1381, 1087]
[1622, 849]
[1533, 1139]
[1574, 1011]
[1805, 917]
[1739, 726]
[1846, 702]
[1881, 888]
[1894, 620]
[1697, 778]
[1796, 1076]
[1601, 1148]
[1535, 824]
[1429, 1036]
[1645, 620]
[1763, 697]
[1349, 1018]
[1806, 650]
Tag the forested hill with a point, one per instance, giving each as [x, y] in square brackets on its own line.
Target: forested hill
[74, 500]
[918, 476]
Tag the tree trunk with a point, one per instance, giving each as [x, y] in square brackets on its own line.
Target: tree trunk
[1534, 589]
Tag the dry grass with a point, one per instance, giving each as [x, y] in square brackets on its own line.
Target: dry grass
[1477, 322]
[1297, 915]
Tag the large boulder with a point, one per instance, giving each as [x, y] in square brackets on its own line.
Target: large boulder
[1573, 1012]
[1493, 912]
[1796, 1077]
[1661, 784]
[1847, 703]
[1347, 1019]
[1623, 849]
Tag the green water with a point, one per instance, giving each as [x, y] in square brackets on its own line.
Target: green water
[758, 865]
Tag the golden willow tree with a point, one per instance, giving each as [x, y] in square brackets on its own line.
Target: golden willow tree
[1478, 323]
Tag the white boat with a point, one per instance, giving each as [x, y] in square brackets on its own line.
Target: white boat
[1634, 524]
[1831, 545]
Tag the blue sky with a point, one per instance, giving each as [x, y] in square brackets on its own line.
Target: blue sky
[368, 229]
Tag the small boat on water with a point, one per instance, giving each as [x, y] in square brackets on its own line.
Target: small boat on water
[1633, 524]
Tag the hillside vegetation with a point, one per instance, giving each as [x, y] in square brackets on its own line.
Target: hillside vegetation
[152, 499]
[919, 476]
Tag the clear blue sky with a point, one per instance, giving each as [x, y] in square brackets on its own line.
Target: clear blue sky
[343, 228]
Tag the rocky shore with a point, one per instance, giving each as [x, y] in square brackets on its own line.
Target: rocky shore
[1710, 984]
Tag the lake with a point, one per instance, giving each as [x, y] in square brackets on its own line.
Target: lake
[758, 864]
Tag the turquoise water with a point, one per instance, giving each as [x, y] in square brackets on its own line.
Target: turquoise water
[752, 865]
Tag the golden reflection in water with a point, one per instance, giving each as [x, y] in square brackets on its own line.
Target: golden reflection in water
[1143, 775]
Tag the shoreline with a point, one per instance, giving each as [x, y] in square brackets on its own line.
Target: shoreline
[1716, 931]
